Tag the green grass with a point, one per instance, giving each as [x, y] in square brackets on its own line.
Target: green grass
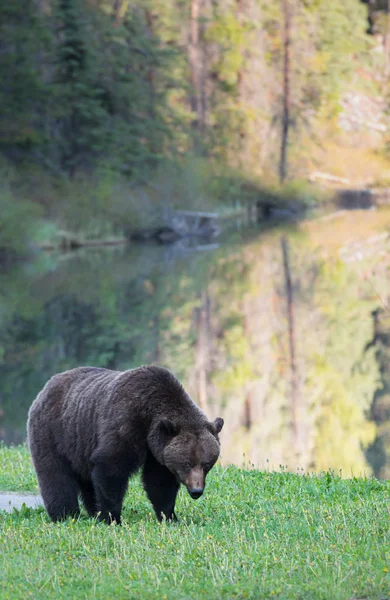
[16, 471]
[252, 535]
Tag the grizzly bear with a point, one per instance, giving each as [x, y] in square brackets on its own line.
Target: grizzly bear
[90, 429]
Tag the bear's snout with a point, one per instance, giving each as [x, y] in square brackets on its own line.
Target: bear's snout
[195, 482]
[195, 493]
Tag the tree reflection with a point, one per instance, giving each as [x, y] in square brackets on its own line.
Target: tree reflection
[222, 322]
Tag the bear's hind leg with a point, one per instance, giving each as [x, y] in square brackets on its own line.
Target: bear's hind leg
[161, 488]
[59, 488]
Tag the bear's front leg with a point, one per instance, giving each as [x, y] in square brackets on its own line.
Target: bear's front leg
[110, 491]
[161, 487]
[109, 479]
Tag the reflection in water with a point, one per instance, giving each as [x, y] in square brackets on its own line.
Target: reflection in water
[293, 353]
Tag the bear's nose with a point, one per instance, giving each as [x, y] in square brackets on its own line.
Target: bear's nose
[196, 493]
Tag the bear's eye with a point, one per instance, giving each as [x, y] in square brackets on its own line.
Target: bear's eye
[187, 465]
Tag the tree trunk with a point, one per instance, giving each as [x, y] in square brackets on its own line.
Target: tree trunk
[247, 412]
[386, 41]
[119, 9]
[194, 59]
[286, 91]
[197, 61]
[151, 81]
[294, 388]
[156, 354]
[202, 349]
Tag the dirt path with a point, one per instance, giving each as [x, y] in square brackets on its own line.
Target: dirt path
[11, 500]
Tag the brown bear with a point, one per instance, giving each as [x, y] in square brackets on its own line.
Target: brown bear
[90, 429]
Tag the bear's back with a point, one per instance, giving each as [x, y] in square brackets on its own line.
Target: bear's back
[67, 413]
[83, 409]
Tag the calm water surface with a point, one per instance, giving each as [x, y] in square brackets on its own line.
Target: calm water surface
[300, 373]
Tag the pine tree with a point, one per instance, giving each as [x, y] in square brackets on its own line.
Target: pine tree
[80, 116]
[21, 89]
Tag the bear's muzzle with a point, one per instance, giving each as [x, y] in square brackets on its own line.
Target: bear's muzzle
[195, 482]
[195, 493]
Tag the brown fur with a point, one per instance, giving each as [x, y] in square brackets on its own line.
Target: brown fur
[91, 429]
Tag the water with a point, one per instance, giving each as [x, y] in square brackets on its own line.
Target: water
[299, 374]
[9, 501]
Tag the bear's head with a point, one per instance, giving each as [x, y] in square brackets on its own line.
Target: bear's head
[190, 455]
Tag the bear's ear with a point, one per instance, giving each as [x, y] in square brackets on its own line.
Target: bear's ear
[168, 428]
[218, 424]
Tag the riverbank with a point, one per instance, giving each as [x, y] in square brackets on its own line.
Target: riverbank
[42, 213]
[253, 535]
[79, 216]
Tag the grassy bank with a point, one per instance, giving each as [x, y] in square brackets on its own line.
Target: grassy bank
[104, 207]
[253, 535]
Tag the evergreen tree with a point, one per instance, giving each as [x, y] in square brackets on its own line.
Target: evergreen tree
[80, 116]
[22, 94]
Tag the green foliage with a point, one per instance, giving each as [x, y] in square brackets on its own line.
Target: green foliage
[92, 85]
[340, 38]
[231, 34]
[248, 533]
[83, 89]
[22, 95]
[16, 472]
[77, 99]
[17, 225]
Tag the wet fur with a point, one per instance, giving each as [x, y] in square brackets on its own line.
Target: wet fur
[89, 430]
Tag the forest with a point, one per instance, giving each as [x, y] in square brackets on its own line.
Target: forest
[113, 109]
[113, 112]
